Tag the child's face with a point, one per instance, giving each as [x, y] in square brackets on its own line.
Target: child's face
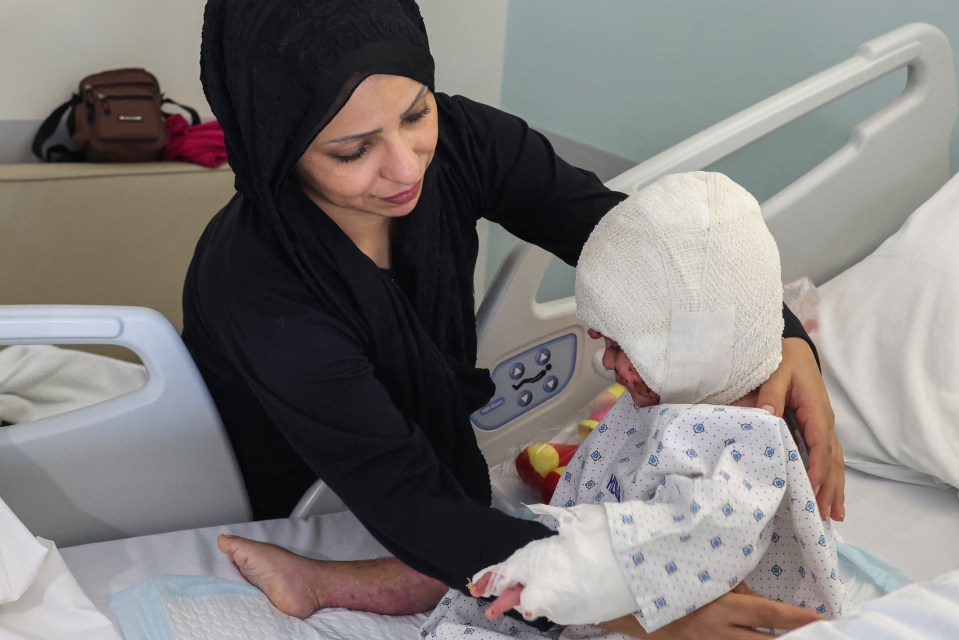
[616, 360]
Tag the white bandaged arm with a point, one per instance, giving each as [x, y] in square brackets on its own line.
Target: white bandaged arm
[570, 578]
[692, 500]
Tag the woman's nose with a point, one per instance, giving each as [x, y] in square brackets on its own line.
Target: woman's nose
[403, 164]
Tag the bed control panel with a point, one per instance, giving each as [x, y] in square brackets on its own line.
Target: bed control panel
[527, 380]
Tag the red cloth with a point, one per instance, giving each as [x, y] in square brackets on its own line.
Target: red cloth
[202, 143]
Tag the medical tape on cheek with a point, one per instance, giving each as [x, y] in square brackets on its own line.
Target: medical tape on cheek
[700, 355]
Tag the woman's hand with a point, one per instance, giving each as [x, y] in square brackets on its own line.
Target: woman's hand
[798, 384]
[734, 616]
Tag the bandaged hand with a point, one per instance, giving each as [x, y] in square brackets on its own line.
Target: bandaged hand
[569, 578]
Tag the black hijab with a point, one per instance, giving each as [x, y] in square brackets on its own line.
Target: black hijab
[275, 72]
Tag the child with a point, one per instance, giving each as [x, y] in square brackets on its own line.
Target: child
[685, 490]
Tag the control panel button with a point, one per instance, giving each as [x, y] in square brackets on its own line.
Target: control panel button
[526, 380]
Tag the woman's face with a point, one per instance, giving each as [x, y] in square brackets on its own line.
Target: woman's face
[370, 159]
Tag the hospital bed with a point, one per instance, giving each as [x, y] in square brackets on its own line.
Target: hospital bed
[139, 485]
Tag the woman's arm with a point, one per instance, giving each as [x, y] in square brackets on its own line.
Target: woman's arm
[733, 616]
[798, 384]
[518, 180]
[310, 373]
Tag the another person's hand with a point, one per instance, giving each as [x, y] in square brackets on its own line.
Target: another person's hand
[733, 616]
[798, 383]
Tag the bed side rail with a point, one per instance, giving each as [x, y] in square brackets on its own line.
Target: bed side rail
[155, 459]
[825, 221]
[893, 161]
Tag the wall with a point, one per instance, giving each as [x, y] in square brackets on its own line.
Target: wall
[468, 40]
[634, 77]
[611, 82]
[48, 45]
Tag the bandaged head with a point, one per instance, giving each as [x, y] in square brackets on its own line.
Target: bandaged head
[685, 276]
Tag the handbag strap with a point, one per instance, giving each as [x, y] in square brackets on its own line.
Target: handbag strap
[194, 116]
[59, 152]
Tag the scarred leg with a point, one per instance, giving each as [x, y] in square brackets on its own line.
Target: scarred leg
[299, 586]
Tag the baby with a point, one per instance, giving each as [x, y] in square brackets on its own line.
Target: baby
[685, 490]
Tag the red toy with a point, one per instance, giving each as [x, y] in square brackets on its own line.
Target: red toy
[541, 465]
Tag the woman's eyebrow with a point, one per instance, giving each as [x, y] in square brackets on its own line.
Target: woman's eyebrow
[366, 134]
[419, 96]
[353, 136]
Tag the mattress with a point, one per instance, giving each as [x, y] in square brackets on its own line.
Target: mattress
[104, 568]
[912, 526]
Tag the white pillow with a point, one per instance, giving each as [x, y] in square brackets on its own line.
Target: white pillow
[888, 338]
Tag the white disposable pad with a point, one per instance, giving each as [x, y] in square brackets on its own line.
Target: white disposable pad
[203, 608]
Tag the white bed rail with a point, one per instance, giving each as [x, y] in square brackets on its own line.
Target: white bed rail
[833, 216]
[155, 459]
[900, 154]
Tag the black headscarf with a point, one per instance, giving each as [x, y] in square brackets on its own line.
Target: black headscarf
[275, 73]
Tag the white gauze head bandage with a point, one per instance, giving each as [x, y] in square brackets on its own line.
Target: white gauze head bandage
[685, 276]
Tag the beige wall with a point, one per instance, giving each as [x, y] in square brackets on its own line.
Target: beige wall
[48, 45]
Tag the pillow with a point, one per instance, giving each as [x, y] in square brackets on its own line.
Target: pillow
[888, 338]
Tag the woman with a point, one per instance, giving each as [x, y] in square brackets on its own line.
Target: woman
[329, 305]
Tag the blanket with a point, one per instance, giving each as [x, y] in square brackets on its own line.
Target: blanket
[39, 381]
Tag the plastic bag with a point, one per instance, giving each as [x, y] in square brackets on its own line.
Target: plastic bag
[802, 298]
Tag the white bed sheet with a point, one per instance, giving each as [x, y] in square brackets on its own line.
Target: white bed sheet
[913, 526]
[103, 568]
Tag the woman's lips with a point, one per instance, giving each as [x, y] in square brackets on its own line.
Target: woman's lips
[404, 197]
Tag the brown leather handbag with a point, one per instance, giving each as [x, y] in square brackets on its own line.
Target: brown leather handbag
[116, 116]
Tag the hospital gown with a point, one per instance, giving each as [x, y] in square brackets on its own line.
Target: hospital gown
[699, 498]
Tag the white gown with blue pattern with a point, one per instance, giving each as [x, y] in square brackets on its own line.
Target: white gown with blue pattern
[699, 498]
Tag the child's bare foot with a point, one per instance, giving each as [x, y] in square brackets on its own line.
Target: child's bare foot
[278, 573]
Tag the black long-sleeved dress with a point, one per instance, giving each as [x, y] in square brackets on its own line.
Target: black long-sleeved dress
[300, 380]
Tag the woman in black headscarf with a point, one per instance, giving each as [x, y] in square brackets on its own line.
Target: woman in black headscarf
[329, 305]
